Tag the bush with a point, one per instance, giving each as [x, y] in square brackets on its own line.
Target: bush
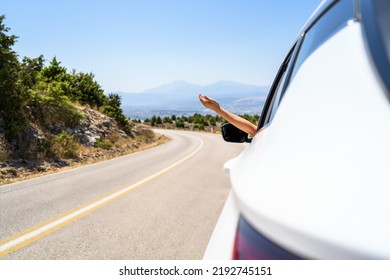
[86, 90]
[113, 109]
[167, 120]
[3, 150]
[52, 107]
[199, 126]
[64, 145]
[153, 120]
[104, 144]
[148, 134]
[253, 119]
[180, 123]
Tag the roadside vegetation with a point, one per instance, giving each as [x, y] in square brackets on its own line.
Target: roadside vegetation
[50, 116]
[196, 122]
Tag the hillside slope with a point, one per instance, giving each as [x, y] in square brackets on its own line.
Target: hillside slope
[50, 117]
[46, 149]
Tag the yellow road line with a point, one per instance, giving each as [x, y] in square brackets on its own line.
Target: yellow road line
[21, 240]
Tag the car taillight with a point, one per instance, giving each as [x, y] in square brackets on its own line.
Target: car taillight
[251, 245]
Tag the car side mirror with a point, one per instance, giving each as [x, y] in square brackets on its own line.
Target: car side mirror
[230, 133]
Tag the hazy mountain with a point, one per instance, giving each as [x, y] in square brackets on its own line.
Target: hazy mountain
[226, 88]
[174, 88]
[181, 97]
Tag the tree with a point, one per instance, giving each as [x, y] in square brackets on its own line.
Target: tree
[166, 120]
[29, 71]
[113, 109]
[114, 100]
[153, 120]
[54, 72]
[180, 123]
[87, 91]
[11, 102]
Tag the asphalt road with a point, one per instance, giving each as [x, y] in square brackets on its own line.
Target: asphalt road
[161, 203]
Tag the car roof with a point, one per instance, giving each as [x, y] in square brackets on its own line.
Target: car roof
[376, 24]
[318, 12]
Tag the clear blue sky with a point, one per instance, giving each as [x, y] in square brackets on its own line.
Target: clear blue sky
[133, 45]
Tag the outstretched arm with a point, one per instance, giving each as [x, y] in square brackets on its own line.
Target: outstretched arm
[235, 120]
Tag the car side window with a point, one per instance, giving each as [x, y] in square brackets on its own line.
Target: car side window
[328, 23]
[276, 91]
[333, 19]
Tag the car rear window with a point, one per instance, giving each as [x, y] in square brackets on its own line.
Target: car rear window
[332, 20]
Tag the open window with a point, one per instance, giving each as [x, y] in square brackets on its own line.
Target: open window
[232, 134]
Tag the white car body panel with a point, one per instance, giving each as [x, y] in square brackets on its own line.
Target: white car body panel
[221, 242]
[327, 175]
[316, 180]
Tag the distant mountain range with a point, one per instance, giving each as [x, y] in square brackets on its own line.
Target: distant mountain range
[181, 98]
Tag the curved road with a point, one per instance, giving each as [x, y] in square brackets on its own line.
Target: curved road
[161, 203]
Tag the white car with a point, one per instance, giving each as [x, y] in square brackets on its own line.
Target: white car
[315, 181]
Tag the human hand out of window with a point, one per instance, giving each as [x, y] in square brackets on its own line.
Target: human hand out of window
[235, 120]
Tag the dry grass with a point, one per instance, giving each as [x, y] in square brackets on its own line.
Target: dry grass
[3, 150]
[89, 155]
[64, 145]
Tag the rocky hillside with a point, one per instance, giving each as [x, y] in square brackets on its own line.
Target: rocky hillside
[51, 117]
[49, 148]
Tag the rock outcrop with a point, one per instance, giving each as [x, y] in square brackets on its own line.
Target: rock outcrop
[94, 127]
[27, 155]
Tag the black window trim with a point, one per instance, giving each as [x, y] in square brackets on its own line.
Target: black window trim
[271, 95]
[294, 56]
[320, 13]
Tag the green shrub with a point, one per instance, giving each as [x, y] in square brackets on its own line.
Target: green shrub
[3, 150]
[52, 107]
[180, 123]
[199, 126]
[113, 109]
[167, 120]
[104, 144]
[64, 145]
[252, 118]
[86, 90]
